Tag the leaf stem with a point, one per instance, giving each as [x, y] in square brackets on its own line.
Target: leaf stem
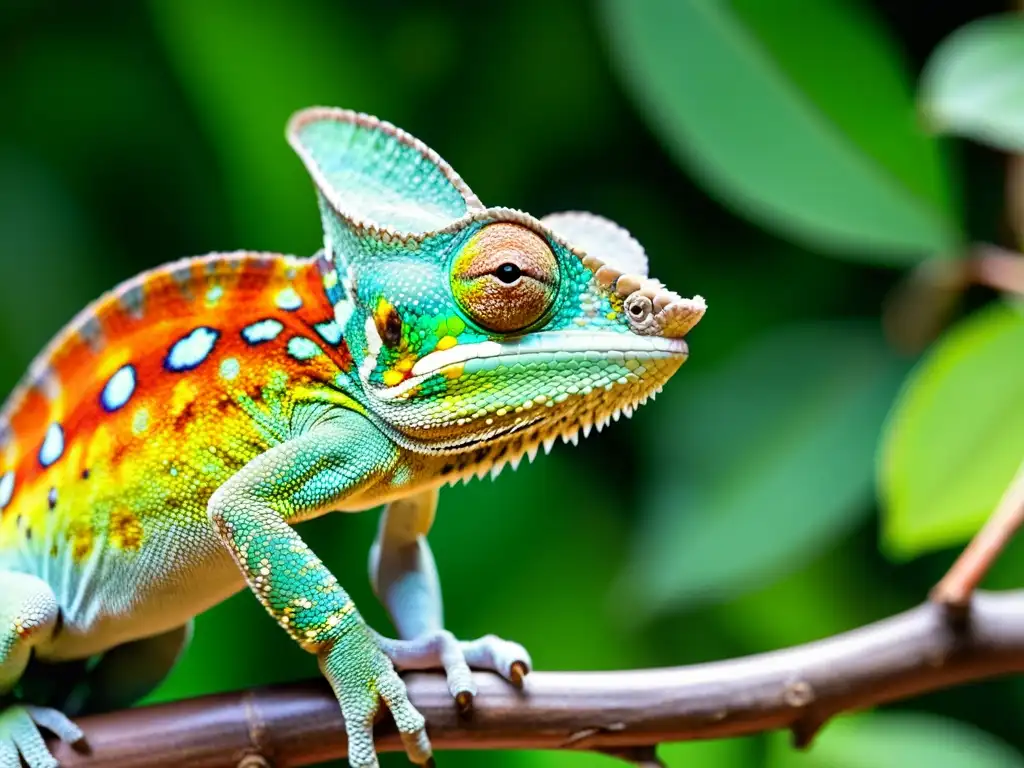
[954, 590]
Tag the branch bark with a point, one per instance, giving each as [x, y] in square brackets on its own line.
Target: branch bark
[617, 712]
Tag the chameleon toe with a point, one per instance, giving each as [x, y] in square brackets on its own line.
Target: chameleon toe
[517, 673]
[464, 702]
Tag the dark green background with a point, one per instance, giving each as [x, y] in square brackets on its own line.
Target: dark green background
[135, 133]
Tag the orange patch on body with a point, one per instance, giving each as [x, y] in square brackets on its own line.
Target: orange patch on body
[125, 529]
[81, 537]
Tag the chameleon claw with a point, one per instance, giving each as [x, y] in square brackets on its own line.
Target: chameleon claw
[464, 702]
[517, 673]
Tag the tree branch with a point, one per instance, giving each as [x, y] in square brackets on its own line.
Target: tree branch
[617, 712]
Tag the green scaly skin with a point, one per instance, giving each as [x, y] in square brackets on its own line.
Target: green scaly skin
[230, 397]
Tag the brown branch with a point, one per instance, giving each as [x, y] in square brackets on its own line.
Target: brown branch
[617, 712]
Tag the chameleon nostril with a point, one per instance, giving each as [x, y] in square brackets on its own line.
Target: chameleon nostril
[639, 310]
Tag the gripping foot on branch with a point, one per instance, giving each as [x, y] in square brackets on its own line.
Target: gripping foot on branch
[362, 677]
[442, 649]
[20, 738]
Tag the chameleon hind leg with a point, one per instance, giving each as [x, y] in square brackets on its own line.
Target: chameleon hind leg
[251, 514]
[28, 617]
[404, 577]
[127, 673]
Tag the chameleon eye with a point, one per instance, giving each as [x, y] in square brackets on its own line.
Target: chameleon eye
[505, 278]
[508, 272]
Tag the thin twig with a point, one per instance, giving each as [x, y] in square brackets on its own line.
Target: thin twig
[908, 654]
[955, 589]
[922, 304]
[997, 268]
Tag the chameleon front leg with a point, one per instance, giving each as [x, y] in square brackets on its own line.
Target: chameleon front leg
[404, 578]
[28, 617]
[251, 514]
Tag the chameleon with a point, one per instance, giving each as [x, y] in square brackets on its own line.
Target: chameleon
[157, 454]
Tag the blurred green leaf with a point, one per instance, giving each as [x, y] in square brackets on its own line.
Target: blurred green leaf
[955, 437]
[896, 740]
[972, 85]
[248, 67]
[719, 753]
[769, 459]
[783, 129]
[44, 235]
[819, 599]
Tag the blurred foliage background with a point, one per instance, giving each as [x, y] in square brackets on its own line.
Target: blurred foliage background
[791, 160]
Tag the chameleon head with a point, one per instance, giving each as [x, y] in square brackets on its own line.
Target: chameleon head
[471, 326]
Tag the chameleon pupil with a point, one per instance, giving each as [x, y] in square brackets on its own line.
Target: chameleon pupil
[508, 273]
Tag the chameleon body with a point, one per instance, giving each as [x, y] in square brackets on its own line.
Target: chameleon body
[157, 453]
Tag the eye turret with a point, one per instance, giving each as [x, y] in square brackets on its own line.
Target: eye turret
[505, 278]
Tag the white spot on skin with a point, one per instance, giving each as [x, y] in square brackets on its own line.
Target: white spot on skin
[288, 300]
[53, 445]
[119, 388]
[435, 361]
[366, 368]
[6, 489]
[214, 295]
[189, 351]
[230, 368]
[329, 331]
[264, 330]
[342, 312]
[373, 340]
[302, 348]
[140, 421]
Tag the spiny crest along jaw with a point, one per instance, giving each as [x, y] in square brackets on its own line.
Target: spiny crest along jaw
[490, 459]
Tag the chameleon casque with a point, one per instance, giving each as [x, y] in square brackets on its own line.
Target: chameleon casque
[157, 453]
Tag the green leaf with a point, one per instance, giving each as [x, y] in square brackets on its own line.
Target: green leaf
[717, 753]
[248, 67]
[776, 121]
[896, 740]
[955, 437]
[972, 85]
[761, 464]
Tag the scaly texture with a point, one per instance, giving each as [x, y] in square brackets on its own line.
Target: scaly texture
[154, 458]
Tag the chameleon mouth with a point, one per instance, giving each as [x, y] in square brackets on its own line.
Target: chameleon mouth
[552, 346]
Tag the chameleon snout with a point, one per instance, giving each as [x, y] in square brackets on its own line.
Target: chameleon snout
[652, 309]
[665, 314]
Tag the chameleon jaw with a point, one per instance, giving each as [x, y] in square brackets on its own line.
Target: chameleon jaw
[583, 384]
[568, 345]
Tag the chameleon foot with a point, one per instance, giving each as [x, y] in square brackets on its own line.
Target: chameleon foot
[20, 736]
[442, 649]
[362, 676]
